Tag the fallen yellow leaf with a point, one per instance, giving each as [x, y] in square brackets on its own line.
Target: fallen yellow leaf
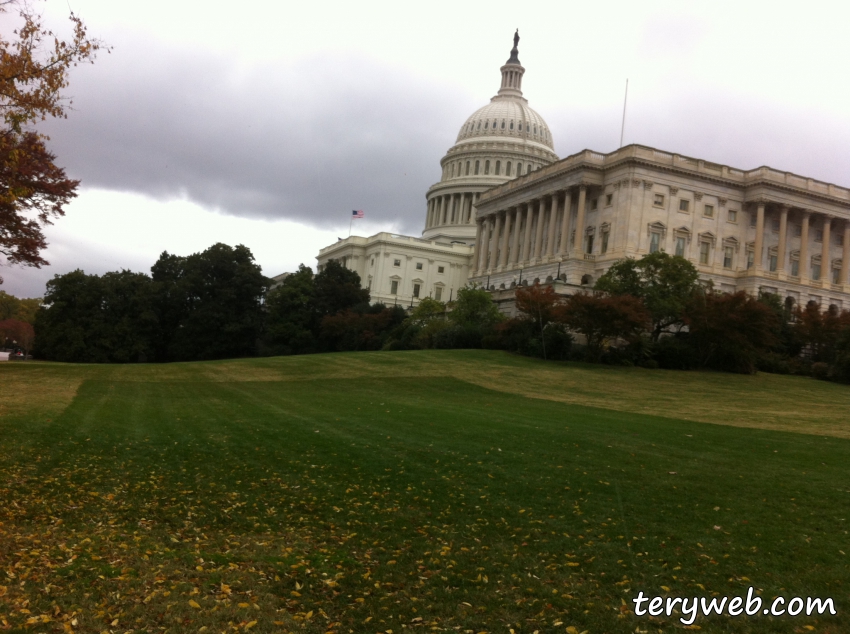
[194, 604]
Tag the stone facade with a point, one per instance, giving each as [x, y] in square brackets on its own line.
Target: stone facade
[402, 269]
[757, 230]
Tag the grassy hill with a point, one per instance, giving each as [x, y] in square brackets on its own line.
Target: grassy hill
[438, 491]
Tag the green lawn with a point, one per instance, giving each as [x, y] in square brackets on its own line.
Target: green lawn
[413, 491]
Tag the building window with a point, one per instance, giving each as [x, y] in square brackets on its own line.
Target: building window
[486, 123]
[732, 215]
[836, 276]
[508, 169]
[519, 169]
[528, 169]
[394, 287]
[654, 241]
[486, 167]
[704, 251]
[819, 235]
[512, 124]
[604, 245]
[503, 124]
[369, 284]
[751, 258]
[373, 262]
[467, 168]
[752, 219]
[499, 164]
[798, 230]
[775, 225]
[680, 246]
[589, 244]
[816, 271]
[477, 166]
[728, 255]
[419, 266]
[441, 269]
[453, 170]
[795, 268]
[684, 205]
[396, 262]
[438, 293]
[773, 262]
[520, 127]
[594, 204]
[608, 199]
[416, 288]
[659, 200]
[708, 211]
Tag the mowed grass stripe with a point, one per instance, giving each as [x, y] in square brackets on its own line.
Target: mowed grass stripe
[440, 492]
[786, 403]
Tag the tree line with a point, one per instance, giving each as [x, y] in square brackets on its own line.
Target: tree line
[651, 312]
[654, 312]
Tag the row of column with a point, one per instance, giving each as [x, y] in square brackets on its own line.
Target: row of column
[451, 209]
[529, 233]
[782, 256]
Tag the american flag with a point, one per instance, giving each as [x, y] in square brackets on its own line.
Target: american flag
[357, 213]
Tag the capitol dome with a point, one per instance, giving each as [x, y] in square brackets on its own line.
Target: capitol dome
[509, 118]
[498, 142]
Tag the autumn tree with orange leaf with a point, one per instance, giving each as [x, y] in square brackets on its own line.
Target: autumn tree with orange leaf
[34, 69]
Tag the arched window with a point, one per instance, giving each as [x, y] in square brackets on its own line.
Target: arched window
[486, 124]
[519, 169]
[503, 124]
[486, 167]
[535, 130]
[528, 169]
[498, 167]
[467, 168]
[512, 125]
[508, 169]
[453, 170]
[479, 125]
[520, 126]
[477, 165]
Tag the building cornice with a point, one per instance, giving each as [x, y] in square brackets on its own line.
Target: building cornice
[705, 171]
[396, 240]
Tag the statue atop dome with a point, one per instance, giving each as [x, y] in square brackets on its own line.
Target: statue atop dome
[514, 59]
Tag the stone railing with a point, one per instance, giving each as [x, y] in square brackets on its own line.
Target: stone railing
[698, 166]
[393, 237]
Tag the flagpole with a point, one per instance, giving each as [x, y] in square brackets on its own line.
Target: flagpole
[625, 101]
[350, 222]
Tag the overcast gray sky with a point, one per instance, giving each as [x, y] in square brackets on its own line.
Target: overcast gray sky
[266, 123]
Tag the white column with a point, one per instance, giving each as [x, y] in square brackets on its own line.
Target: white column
[538, 232]
[479, 233]
[825, 263]
[757, 259]
[494, 245]
[515, 241]
[484, 239]
[565, 223]
[553, 216]
[503, 254]
[582, 199]
[783, 239]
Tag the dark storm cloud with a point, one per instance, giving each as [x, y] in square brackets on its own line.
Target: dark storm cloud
[307, 141]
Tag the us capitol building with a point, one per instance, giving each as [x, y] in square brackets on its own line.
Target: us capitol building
[507, 211]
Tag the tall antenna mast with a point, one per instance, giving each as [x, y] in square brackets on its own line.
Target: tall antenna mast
[625, 100]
